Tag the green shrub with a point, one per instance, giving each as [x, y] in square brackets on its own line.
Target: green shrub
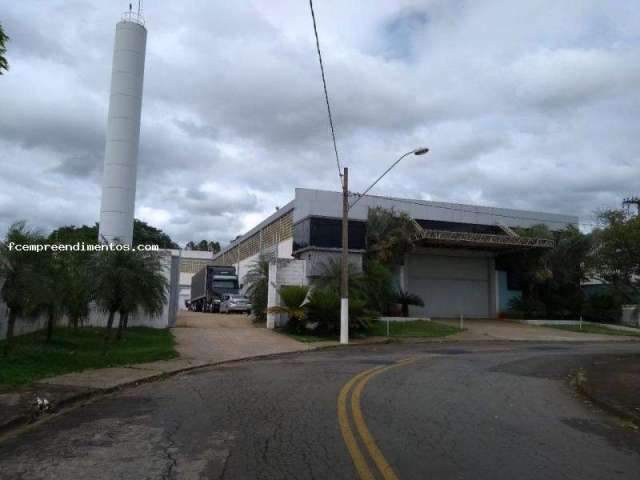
[257, 280]
[323, 309]
[405, 299]
[292, 298]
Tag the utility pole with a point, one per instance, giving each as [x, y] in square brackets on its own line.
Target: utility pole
[344, 264]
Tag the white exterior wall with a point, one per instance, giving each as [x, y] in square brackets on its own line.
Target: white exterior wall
[123, 134]
[283, 272]
[329, 204]
[285, 248]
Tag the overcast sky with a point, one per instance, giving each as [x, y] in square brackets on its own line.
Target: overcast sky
[527, 104]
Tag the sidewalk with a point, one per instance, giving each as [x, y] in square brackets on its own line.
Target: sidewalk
[506, 330]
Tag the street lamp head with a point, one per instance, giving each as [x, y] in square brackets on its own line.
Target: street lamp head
[420, 151]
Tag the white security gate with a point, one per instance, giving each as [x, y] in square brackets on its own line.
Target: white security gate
[450, 285]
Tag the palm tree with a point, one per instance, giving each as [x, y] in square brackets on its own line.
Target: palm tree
[19, 275]
[54, 282]
[292, 299]
[405, 299]
[257, 280]
[128, 282]
[390, 235]
[108, 286]
[149, 290]
[77, 287]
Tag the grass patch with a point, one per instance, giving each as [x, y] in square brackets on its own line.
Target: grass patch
[31, 358]
[310, 338]
[599, 329]
[414, 328]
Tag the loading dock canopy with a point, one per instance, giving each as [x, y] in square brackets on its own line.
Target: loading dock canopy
[484, 241]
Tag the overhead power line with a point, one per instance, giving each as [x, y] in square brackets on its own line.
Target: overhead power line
[326, 93]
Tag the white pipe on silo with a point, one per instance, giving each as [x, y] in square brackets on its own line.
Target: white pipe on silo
[123, 132]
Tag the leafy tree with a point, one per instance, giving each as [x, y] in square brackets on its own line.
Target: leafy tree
[145, 234]
[616, 253]
[203, 245]
[70, 234]
[19, 275]
[390, 235]
[405, 299]
[257, 280]
[292, 298]
[550, 277]
[4, 65]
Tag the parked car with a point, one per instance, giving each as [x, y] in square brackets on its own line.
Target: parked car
[233, 302]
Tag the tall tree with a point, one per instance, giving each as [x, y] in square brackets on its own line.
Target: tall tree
[19, 276]
[145, 234]
[203, 245]
[390, 235]
[616, 252]
[550, 277]
[4, 64]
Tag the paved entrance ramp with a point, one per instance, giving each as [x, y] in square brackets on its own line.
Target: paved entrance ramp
[218, 337]
[476, 329]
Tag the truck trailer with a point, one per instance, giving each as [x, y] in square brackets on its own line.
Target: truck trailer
[209, 284]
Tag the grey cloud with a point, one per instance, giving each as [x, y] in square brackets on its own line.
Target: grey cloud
[537, 115]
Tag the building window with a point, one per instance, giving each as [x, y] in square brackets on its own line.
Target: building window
[322, 232]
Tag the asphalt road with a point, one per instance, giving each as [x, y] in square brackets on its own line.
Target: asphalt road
[427, 411]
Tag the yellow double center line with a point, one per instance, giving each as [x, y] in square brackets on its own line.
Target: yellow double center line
[357, 456]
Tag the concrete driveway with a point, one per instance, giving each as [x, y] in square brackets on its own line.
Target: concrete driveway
[476, 329]
[217, 337]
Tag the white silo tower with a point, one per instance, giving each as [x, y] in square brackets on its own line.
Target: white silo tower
[123, 130]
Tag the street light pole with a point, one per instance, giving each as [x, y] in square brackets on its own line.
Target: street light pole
[344, 263]
[344, 258]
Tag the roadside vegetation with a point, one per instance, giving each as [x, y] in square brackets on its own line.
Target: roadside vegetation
[314, 312]
[550, 280]
[32, 357]
[414, 328]
[62, 286]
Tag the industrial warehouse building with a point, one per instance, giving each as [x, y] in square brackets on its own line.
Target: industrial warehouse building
[455, 266]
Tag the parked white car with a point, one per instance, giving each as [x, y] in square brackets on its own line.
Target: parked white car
[233, 302]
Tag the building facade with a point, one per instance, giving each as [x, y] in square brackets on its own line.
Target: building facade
[456, 265]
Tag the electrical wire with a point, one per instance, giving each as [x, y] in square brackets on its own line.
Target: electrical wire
[326, 93]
